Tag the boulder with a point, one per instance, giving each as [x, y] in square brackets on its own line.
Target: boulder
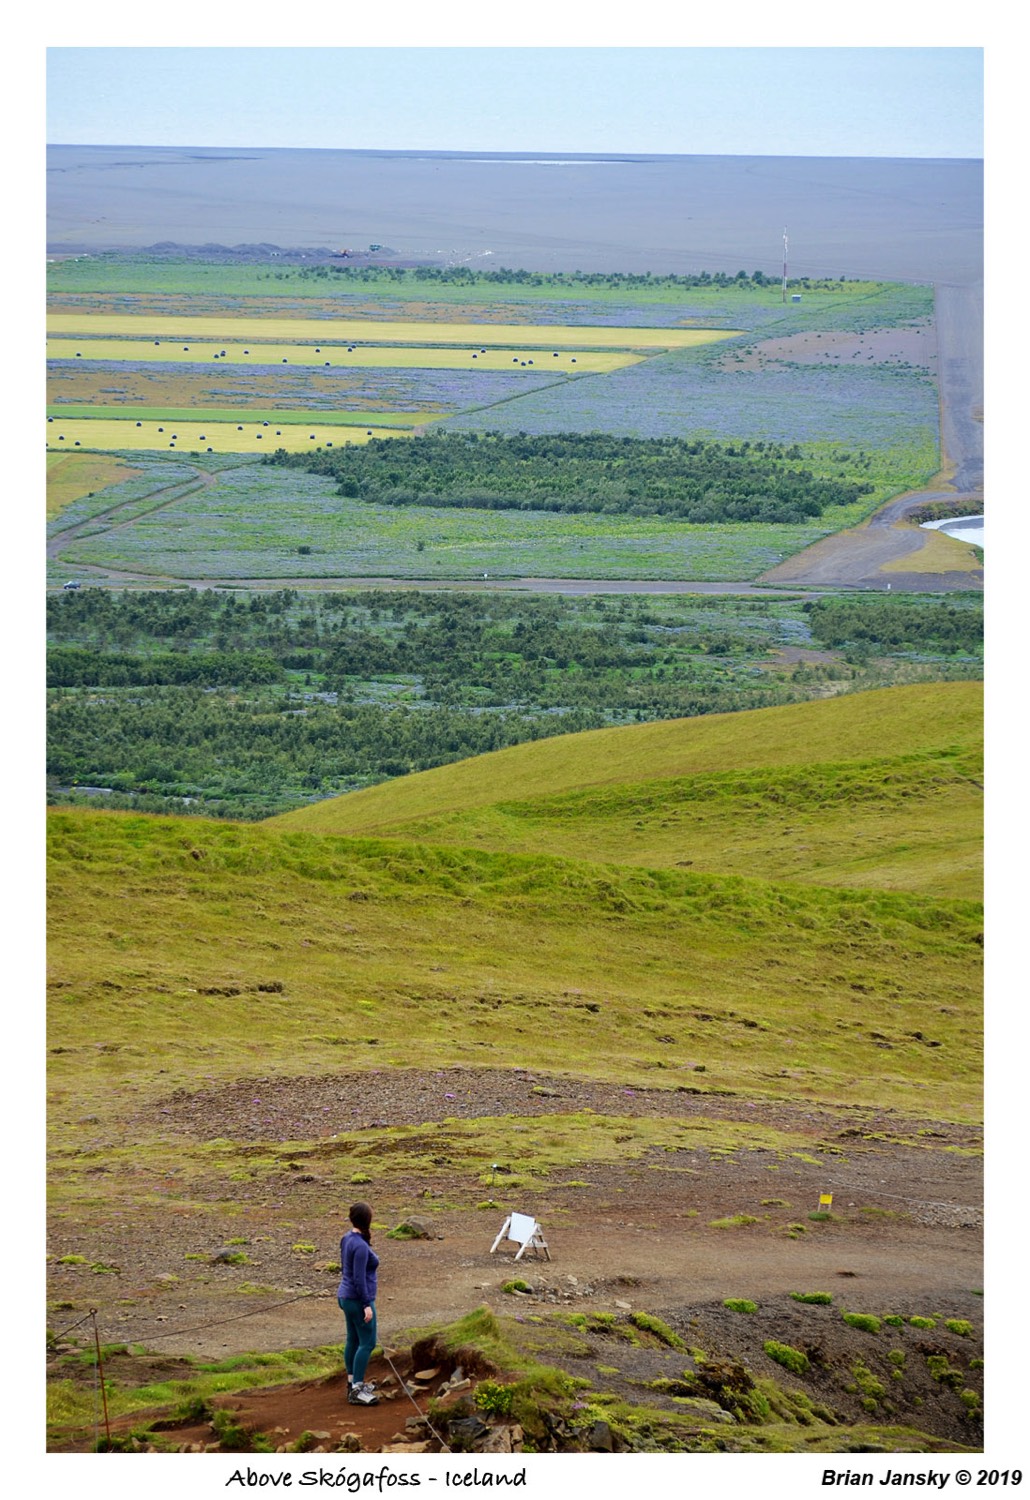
[415, 1229]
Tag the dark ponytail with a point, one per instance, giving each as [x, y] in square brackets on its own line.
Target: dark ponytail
[361, 1217]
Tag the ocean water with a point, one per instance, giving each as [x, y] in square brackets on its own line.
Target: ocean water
[897, 219]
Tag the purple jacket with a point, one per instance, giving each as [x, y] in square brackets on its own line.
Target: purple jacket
[358, 1266]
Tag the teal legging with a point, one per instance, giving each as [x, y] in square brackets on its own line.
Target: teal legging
[361, 1337]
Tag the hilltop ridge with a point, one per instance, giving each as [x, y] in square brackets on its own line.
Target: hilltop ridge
[873, 789]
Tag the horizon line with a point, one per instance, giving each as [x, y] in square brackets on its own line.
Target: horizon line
[526, 153]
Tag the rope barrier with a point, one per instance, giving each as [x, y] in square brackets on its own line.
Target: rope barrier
[172, 1332]
[196, 1327]
[71, 1326]
[253, 1312]
[423, 1415]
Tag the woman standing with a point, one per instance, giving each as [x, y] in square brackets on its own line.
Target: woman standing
[357, 1297]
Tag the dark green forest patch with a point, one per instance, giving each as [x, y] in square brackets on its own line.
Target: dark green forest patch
[691, 480]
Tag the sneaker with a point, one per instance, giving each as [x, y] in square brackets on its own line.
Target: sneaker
[363, 1395]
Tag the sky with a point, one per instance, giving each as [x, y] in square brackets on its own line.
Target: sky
[709, 100]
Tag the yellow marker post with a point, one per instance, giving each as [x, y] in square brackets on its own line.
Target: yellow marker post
[825, 1199]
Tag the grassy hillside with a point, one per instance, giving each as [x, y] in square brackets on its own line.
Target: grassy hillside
[246, 1021]
[875, 789]
[218, 951]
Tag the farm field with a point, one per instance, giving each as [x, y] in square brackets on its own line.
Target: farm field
[327, 356]
[324, 288]
[125, 435]
[72, 477]
[248, 521]
[250, 414]
[867, 392]
[356, 331]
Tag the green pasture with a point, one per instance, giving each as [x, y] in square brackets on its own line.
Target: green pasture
[138, 275]
[250, 521]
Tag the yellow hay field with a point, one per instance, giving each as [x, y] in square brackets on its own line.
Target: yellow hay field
[70, 476]
[365, 331]
[338, 356]
[203, 437]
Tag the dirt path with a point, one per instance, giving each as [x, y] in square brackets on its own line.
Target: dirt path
[109, 520]
[905, 1235]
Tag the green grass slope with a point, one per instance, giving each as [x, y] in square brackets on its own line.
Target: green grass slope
[877, 789]
[182, 950]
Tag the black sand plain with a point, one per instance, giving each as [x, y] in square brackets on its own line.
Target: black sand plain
[896, 219]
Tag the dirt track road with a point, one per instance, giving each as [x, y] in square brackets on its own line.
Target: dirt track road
[857, 559]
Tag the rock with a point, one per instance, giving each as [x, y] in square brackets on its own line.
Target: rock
[600, 1440]
[416, 1229]
[349, 1443]
[469, 1429]
[405, 1448]
[626, 1306]
[427, 1374]
[454, 1386]
[497, 1440]
[711, 1411]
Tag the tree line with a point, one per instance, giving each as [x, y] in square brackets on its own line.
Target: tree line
[241, 705]
[893, 624]
[562, 280]
[689, 479]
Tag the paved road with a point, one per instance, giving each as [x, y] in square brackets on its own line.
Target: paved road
[108, 578]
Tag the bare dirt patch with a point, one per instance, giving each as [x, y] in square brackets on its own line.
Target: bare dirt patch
[880, 346]
[907, 1212]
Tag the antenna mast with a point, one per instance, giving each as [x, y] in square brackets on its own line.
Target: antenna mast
[784, 265]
